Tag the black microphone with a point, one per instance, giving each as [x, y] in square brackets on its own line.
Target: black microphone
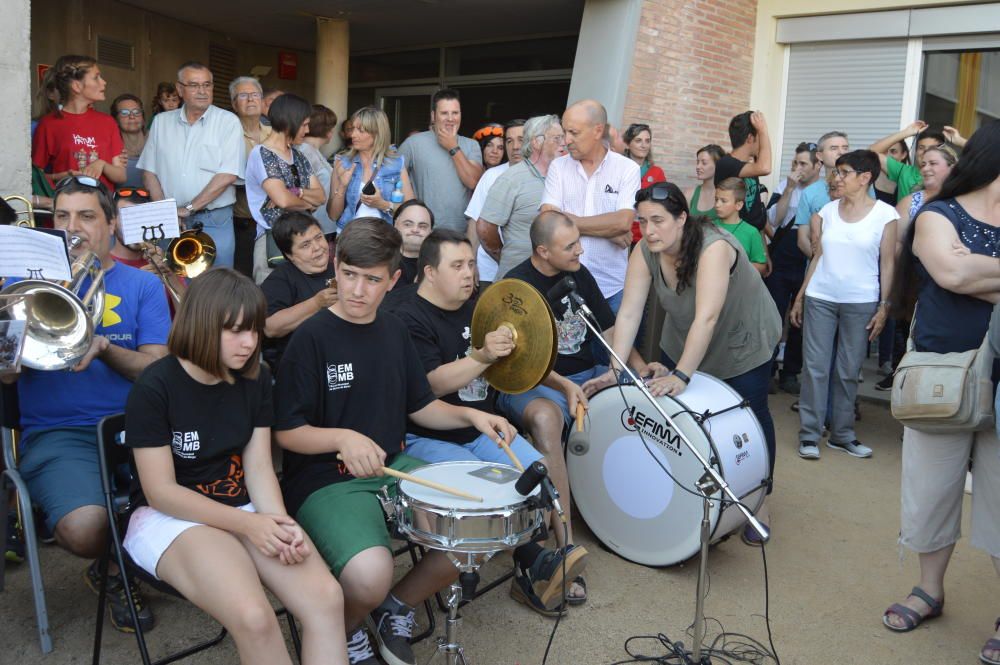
[535, 475]
[561, 289]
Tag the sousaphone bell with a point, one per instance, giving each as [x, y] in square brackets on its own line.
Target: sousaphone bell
[516, 305]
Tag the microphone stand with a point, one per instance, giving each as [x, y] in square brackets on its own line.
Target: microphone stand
[708, 485]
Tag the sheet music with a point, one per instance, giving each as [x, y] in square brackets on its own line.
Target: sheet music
[149, 221]
[26, 252]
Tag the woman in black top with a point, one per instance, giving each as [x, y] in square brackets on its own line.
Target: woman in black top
[211, 521]
[952, 246]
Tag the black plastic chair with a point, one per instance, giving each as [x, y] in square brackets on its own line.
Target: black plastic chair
[111, 455]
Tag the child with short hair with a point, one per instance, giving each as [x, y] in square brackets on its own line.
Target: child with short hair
[729, 197]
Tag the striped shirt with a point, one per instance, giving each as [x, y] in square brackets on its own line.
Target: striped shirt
[611, 188]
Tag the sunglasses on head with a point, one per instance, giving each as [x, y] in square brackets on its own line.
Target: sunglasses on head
[130, 194]
[658, 192]
[84, 180]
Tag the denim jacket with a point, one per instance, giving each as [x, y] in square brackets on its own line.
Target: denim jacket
[389, 172]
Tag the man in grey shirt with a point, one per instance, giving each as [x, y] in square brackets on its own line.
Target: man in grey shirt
[514, 199]
[444, 167]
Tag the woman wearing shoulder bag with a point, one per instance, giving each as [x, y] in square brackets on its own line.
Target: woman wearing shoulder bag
[952, 249]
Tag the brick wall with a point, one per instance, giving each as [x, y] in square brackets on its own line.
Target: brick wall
[690, 74]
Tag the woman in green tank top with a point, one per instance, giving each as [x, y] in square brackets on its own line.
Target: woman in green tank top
[702, 198]
[720, 318]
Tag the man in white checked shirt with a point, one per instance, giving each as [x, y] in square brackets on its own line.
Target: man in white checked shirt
[596, 188]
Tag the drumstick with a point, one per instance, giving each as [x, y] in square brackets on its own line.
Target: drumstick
[426, 483]
[510, 453]
[579, 417]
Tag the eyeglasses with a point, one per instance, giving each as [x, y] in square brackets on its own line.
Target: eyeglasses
[659, 192]
[244, 96]
[135, 113]
[84, 180]
[841, 173]
[204, 87]
[487, 131]
[132, 193]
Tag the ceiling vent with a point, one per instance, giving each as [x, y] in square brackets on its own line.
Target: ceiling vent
[115, 52]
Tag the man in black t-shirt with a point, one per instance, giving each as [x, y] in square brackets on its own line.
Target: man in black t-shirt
[439, 317]
[348, 380]
[299, 286]
[750, 159]
[414, 221]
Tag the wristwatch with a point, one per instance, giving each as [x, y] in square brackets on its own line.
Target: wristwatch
[189, 207]
[453, 151]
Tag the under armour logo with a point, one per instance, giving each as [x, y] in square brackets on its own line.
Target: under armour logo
[35, 273]
[152, 233]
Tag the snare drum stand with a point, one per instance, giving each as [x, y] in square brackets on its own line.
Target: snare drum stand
[464, 586]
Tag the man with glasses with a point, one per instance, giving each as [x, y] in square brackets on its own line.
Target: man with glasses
[60, 410]
[194, 155]
[486, 261]
[247, 96]
[514, 200]
[594, 187]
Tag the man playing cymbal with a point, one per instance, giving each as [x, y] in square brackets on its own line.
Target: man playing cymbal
[439, 317]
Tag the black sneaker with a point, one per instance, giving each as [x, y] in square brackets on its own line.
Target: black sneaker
[14, 547]
[885, 385]
[359, 649]
[121, 618]
[392, 634]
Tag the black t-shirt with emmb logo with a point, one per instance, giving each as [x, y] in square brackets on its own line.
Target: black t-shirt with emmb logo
[206, 426]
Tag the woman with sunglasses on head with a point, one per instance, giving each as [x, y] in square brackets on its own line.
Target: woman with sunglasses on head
[843, 303]
[128, 113]
[210, 520]
[365, 177]
[76, 139]
[720, 319]
[490, 139]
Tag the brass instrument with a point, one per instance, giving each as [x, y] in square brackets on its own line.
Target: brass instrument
[28, 212]
[59, 320]
[188, 255]
[516, 305]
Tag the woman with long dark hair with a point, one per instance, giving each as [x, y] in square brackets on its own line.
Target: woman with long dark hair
[951, 253]
[720, 319]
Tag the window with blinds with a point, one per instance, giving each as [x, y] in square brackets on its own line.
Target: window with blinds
[855, 87]
[222, 62]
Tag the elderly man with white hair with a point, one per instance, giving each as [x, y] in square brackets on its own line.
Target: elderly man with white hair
[595, 187]
[194, 155]
[513, 201]
[246, 96]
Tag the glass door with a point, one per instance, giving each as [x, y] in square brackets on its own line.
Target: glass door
[408, 108]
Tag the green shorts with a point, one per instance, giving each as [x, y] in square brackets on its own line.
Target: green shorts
[346, 518]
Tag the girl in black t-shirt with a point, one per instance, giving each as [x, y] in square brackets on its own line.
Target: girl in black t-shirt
[211, 521]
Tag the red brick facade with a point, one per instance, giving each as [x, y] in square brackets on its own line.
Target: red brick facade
[691, 72]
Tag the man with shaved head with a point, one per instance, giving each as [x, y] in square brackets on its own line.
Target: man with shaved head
[595, 188]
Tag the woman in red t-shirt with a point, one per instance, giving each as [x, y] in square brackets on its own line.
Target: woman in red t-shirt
[76, 139]
[639, 139]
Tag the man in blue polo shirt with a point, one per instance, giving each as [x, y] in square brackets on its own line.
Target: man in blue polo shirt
[60, 409]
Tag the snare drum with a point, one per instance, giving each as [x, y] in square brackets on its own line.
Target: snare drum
[428, 517]
[628, 501]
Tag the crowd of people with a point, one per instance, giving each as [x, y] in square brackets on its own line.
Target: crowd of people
[336, 321]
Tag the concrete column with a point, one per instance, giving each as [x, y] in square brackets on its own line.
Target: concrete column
[15, 81]
[333, 51]
[604, 55]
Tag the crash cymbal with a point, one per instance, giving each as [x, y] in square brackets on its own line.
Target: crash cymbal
[517, 305]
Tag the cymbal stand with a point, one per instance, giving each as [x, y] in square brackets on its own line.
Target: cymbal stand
[708, 485]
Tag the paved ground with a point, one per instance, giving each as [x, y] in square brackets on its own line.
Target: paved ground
[833, 562]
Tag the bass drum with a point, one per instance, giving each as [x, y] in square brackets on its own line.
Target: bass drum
[628, 501]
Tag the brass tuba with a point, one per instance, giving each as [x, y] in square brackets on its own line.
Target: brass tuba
[59, 319]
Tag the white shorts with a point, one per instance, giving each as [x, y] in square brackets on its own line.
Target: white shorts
[151, 532]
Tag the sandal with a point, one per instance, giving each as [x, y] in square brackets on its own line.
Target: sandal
[911, 618]
[522, 592]
[544, 579]
[992, 644]
[578, 600]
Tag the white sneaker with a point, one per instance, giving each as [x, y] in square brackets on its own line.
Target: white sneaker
[359, 649]
[854, 448]
[808, 450]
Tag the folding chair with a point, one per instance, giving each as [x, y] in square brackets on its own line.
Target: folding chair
[10, 480]
[111, 455]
